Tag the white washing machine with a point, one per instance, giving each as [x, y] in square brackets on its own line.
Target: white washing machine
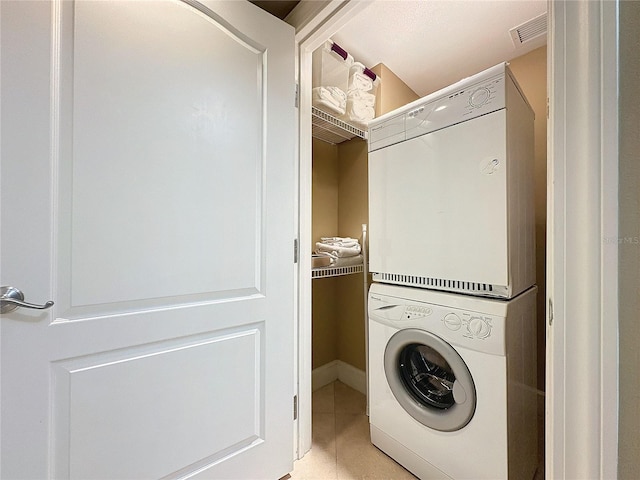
[452, 382]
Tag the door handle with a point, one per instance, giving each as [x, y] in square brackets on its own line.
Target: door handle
[12, 298]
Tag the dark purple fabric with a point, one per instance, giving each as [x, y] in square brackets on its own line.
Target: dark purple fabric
[370, 74]
[339, 50]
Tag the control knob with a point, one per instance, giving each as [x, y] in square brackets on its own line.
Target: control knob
[479, 327]
[452, 321]
[479, 97]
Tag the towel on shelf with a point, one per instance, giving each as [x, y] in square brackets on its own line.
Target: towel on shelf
[337, 250]
[324, 254]
[339, 241]
[340, 261]
[360, 107]
[360, 81]
[331, 97]
[347, 261]
[359, 113]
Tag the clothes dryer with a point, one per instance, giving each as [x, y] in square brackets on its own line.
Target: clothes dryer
[451, 190]
[452, 382]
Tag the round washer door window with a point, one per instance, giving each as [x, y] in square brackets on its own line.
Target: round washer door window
[430, 380]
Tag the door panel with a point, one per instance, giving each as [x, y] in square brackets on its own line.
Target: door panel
[168, 157]
[107, 397]
[154, 205]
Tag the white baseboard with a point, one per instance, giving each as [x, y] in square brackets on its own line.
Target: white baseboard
[324, 375]
[339, 370]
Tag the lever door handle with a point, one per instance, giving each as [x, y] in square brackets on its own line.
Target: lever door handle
[12, 298]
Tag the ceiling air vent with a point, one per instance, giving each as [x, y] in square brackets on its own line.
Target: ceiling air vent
[529, 30]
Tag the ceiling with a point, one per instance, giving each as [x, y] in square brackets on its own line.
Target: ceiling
[279, 8]
[430, 44]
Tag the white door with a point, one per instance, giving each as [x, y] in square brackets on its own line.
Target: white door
[147, 189]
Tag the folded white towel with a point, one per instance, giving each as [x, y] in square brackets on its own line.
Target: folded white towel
[339, 241]
[332, 97]
[347, 261]
[323, 254]
[360, 108]
[364, 98]
[322, 93]
[344, 244]
[358, 113]
[340, 261]
[337, 250]
[360, 81]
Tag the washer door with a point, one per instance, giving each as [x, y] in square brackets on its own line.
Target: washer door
[430, 380]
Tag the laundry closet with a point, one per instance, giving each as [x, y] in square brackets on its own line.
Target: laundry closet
[340, 208]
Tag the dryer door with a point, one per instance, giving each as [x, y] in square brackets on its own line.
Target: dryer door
[430, 380]
[438, 204]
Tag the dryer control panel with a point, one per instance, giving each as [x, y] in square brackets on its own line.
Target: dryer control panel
[469, 98]
[466, 103]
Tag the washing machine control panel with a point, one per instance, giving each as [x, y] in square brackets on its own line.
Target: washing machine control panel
[482, 331]
[412, 312]
[470, 325]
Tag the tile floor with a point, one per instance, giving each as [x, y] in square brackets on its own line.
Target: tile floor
[341, 447]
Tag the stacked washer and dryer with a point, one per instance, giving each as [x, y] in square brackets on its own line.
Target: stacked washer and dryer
[452, 310]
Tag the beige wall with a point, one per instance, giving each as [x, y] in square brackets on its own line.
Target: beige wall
[393, 92]
[324, 186]
[324, 182]
[353, 211]
[353, 191]
[530, 71]
[340, 207]
[629, 248]
[324, 323]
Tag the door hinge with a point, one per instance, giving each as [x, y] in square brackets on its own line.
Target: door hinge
[295, 250]
[297, 99]
[295, 407]
[550, 312]
[547, 108]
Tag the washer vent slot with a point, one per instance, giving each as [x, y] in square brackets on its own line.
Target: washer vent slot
[442, 284]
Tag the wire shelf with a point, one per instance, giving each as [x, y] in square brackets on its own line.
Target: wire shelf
[332, 130]
[323, 272]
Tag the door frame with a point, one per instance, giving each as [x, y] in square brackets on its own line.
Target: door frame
[582, 241]
[590, 433]
[314, 21]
